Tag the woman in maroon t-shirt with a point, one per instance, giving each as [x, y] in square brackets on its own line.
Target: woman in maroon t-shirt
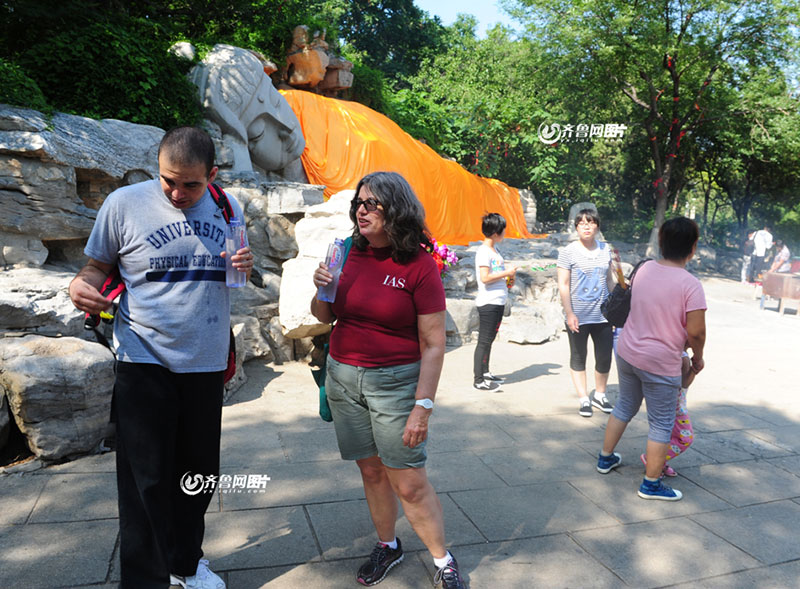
[386, 355]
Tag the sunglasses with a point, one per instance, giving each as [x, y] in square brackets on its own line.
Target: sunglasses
[370, 204]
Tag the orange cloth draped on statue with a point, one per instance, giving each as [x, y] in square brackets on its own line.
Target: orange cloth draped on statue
[345, 141]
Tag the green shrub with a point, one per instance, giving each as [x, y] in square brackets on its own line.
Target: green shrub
[111, 70]
[19, 89]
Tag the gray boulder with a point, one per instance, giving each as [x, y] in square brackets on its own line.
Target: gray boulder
[21, 249]
[461, 321]
[37, 300]
[59, 391]
[56, 172]
[532, 324]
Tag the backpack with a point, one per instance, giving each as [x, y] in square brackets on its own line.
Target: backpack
[113, 287]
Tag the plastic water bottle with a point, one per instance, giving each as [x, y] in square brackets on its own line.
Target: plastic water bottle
[235, 239]
[334, 261]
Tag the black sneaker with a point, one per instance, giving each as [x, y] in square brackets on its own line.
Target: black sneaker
[448, 576]
[602, 403]
[486, 385]
[492, 378]
[380, 562]
[586, 409]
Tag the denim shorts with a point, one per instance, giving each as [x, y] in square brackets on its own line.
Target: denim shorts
[370, 407]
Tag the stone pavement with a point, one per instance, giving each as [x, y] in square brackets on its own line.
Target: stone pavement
[515, 471]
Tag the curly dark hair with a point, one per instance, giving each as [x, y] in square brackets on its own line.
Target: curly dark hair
[404, 216]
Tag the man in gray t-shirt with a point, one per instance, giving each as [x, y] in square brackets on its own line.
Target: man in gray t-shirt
[171, 334]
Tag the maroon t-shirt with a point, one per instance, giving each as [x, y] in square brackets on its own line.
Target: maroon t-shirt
[377, 303]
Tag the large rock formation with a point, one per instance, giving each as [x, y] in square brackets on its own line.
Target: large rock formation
[59, 391]
[55, 173]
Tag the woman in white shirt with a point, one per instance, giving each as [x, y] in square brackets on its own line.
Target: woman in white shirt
[493, 282]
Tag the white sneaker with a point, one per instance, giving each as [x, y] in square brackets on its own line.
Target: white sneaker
[204, 578]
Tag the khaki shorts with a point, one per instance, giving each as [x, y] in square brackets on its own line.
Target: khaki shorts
[370, 407]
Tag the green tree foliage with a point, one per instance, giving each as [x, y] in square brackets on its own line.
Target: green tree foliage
[663, 57]
[394, 36]
[19, 89]
[264, 25]
[88, 59]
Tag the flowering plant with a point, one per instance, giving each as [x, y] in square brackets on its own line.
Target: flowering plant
[442, 255]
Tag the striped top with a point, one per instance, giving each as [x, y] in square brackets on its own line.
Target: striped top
[588, 273]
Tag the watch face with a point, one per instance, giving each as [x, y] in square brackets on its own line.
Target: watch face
[426, 403]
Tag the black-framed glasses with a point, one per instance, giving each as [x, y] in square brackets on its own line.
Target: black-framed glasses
[370, 204]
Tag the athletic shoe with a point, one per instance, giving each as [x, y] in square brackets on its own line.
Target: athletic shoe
[204, 578]
[492, 378]
[658, 490]
[380, 562]
[668, 471]
[586, 409]
[486, 385]
[602, 403]
[605, 464]
[448, 576]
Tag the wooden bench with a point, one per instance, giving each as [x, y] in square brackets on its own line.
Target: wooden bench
[782, 286]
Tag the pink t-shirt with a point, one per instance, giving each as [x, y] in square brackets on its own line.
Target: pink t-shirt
[655, 331]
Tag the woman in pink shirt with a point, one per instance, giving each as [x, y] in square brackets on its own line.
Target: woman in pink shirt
[667, 309]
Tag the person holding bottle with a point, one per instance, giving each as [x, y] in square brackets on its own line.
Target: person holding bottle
[171, 332]
[386, 355]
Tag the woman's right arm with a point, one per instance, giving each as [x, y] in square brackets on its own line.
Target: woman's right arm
[488, 277]
[564, 275]
[322, 309]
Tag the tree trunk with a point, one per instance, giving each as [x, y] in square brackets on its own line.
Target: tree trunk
[661, 214]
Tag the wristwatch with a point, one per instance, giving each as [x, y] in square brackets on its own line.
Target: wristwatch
[426, 403]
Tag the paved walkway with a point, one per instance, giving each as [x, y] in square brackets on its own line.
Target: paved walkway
[515, 471]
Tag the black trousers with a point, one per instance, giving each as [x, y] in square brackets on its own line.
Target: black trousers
[603, 340]
[757, 267]
[490, 318]
[168, 424]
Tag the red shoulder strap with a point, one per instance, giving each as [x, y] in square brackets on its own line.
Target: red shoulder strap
[222, 201]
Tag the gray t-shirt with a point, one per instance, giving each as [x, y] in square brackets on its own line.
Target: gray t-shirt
[175, 311]
[588, 273]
